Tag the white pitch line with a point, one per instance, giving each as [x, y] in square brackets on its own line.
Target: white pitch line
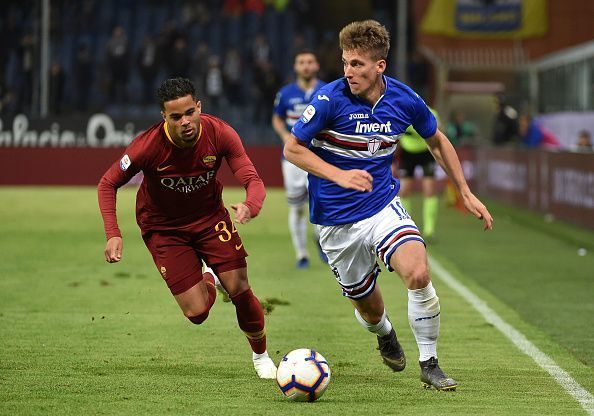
[583, 397]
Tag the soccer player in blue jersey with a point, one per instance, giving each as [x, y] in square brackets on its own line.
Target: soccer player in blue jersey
[345, 139]
[289, 104]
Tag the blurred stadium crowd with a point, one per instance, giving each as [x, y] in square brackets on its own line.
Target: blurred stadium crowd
[110, 55]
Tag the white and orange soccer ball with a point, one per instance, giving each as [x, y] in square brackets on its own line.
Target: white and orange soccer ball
[303, 375]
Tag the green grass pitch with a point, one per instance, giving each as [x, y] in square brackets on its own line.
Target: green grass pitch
[80, 336]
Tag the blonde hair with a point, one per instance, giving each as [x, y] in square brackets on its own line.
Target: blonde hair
[366, 35]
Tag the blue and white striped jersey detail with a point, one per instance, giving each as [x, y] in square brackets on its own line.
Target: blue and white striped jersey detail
[350, 133]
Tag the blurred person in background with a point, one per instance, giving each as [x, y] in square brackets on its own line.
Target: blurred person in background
[83, 76]
[533, 135]
[289, 104]
[149, 62]
[232, 75]
[181, 214]
[214, 86]
[178, 59]
[583, 143]
[26, 56]
[505, 129]
[57, 83]
[200, 65]
[260, 51]
[266, 83]
[118, 65]
[459, 130]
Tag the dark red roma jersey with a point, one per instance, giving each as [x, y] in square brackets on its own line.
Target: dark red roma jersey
[180, 187]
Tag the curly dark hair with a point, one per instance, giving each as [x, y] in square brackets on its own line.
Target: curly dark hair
[174, 88]
[367, 36]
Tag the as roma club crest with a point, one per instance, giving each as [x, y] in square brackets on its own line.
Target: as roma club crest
[373, 145]
[209, 160]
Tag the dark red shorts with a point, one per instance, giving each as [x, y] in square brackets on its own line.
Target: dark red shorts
[178, 254]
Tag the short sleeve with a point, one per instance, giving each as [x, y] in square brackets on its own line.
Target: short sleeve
[314, 118]
[424, 122]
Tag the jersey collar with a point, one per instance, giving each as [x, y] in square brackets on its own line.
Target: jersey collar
[365, 102]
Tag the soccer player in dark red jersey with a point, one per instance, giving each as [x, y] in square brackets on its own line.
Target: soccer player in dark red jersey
[180, 211]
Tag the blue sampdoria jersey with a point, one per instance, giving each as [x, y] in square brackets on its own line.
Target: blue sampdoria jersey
[291, 100]
[348, 132]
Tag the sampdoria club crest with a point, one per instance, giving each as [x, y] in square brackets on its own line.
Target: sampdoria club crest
[373, 145]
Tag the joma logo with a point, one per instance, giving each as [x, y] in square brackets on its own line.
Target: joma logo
[358, 116]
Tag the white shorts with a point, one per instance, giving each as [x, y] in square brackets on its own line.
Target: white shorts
[295, 180]
[352, 248]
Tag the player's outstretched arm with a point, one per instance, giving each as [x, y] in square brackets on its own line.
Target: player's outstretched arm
[113, 249]
[445, 154]
[307, 160]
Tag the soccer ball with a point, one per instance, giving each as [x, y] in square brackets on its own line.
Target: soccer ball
[303, 375]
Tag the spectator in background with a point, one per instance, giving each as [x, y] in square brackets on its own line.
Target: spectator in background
[459, 130]
[57, 81]
[533, 135]
[231, 13]
[266, 84]
[8, 102]
[167, 36]
[26, 54]
[232, 76]
[86, 15]
[253, 12]
[214, 86]
[178, 59]
[584, 143]
[260, 49]
[196, 12]
[83, 76]
[148, 62]
[117, 60]
[200, 65]
[505, 129]
[303, 11]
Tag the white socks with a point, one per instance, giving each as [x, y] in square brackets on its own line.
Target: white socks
[298, 229]
[382, 328]
[423, 317]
